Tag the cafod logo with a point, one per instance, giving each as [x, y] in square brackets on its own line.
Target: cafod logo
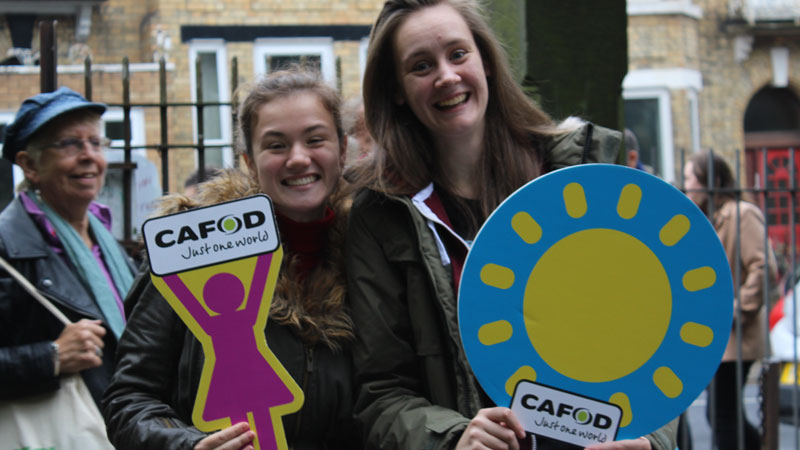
[581, 415]
[211, 235]
[227, 225]
[564, 416]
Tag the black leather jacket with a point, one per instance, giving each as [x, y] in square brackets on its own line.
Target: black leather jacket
[149, 402]
[26, 327]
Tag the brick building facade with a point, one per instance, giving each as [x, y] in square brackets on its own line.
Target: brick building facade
[695, 66]
[260, 34]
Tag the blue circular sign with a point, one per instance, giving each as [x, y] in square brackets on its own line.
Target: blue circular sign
[603, 281]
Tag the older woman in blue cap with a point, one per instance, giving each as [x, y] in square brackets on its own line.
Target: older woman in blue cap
[59, 239]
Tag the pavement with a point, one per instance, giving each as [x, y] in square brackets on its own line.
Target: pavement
[788, 435]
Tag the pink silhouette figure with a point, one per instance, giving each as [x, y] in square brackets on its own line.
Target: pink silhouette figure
[242, 379]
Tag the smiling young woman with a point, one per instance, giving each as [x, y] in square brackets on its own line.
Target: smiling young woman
[455, 135]
[297, 155]
[291, 137]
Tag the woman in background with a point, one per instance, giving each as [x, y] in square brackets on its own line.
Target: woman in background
[753, 259]
[59, 238]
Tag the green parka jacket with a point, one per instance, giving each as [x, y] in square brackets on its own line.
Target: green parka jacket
[416, 390]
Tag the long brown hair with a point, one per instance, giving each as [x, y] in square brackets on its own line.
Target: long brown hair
[723, 183]
[314, 305]
[405, 160]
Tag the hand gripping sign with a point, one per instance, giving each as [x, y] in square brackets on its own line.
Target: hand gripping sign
[217, 267]
[596, 302]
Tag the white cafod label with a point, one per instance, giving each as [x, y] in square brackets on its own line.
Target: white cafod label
[561, 415]
[211, 235]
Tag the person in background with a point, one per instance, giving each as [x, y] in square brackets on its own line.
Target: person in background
[455, 136]
[726, 213]
[194, 179]
[56, 236]
[632, 150]
[359, 139]
[293, 143]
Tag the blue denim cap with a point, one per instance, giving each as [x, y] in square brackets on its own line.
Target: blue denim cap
[36, 112]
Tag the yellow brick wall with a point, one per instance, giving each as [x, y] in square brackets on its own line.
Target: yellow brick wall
[679, 41]
[139, 30]
[662, 41]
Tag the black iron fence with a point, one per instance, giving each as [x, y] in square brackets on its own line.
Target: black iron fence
[770, 182]
[49, 82]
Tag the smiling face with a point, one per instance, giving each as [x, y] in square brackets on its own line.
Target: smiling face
[297, 155]
[441, 72]
[68, 182]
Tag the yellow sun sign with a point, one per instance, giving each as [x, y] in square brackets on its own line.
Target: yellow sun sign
[602, 281]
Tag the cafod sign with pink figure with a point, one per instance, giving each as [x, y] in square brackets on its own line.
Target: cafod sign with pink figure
[217, 267]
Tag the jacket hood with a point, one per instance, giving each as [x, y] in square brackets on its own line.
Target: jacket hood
[231, 184]
[315, 307]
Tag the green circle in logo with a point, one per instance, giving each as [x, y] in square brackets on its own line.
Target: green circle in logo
[229, 224]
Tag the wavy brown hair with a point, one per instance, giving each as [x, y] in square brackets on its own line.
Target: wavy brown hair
[722, 186]
[312, 305]
[405, 161]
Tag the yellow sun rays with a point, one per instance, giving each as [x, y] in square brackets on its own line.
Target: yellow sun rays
[523, 373]
[494, 333]
[526, 227]
[621, 399]
[497, 276]
[698, 279]
[628, 204]
[576, 206]
[674, 230]
[575, 200]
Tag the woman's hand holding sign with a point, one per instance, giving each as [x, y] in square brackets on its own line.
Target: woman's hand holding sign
[495, 428]
[236, 437]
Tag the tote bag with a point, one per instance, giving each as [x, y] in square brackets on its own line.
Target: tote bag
[65, 419]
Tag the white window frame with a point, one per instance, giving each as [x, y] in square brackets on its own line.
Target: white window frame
[137, 126]
[664, 7]
[694, 118]
[363, 47]
[322, 46]
[6, 117]
[138, 137]
[216, 46]
[666, 150]
[657, 84]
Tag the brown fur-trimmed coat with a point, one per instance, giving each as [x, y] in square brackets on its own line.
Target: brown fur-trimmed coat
[150, 399]
[315, 307]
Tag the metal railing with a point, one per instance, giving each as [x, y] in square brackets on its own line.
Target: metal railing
[774, 189]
